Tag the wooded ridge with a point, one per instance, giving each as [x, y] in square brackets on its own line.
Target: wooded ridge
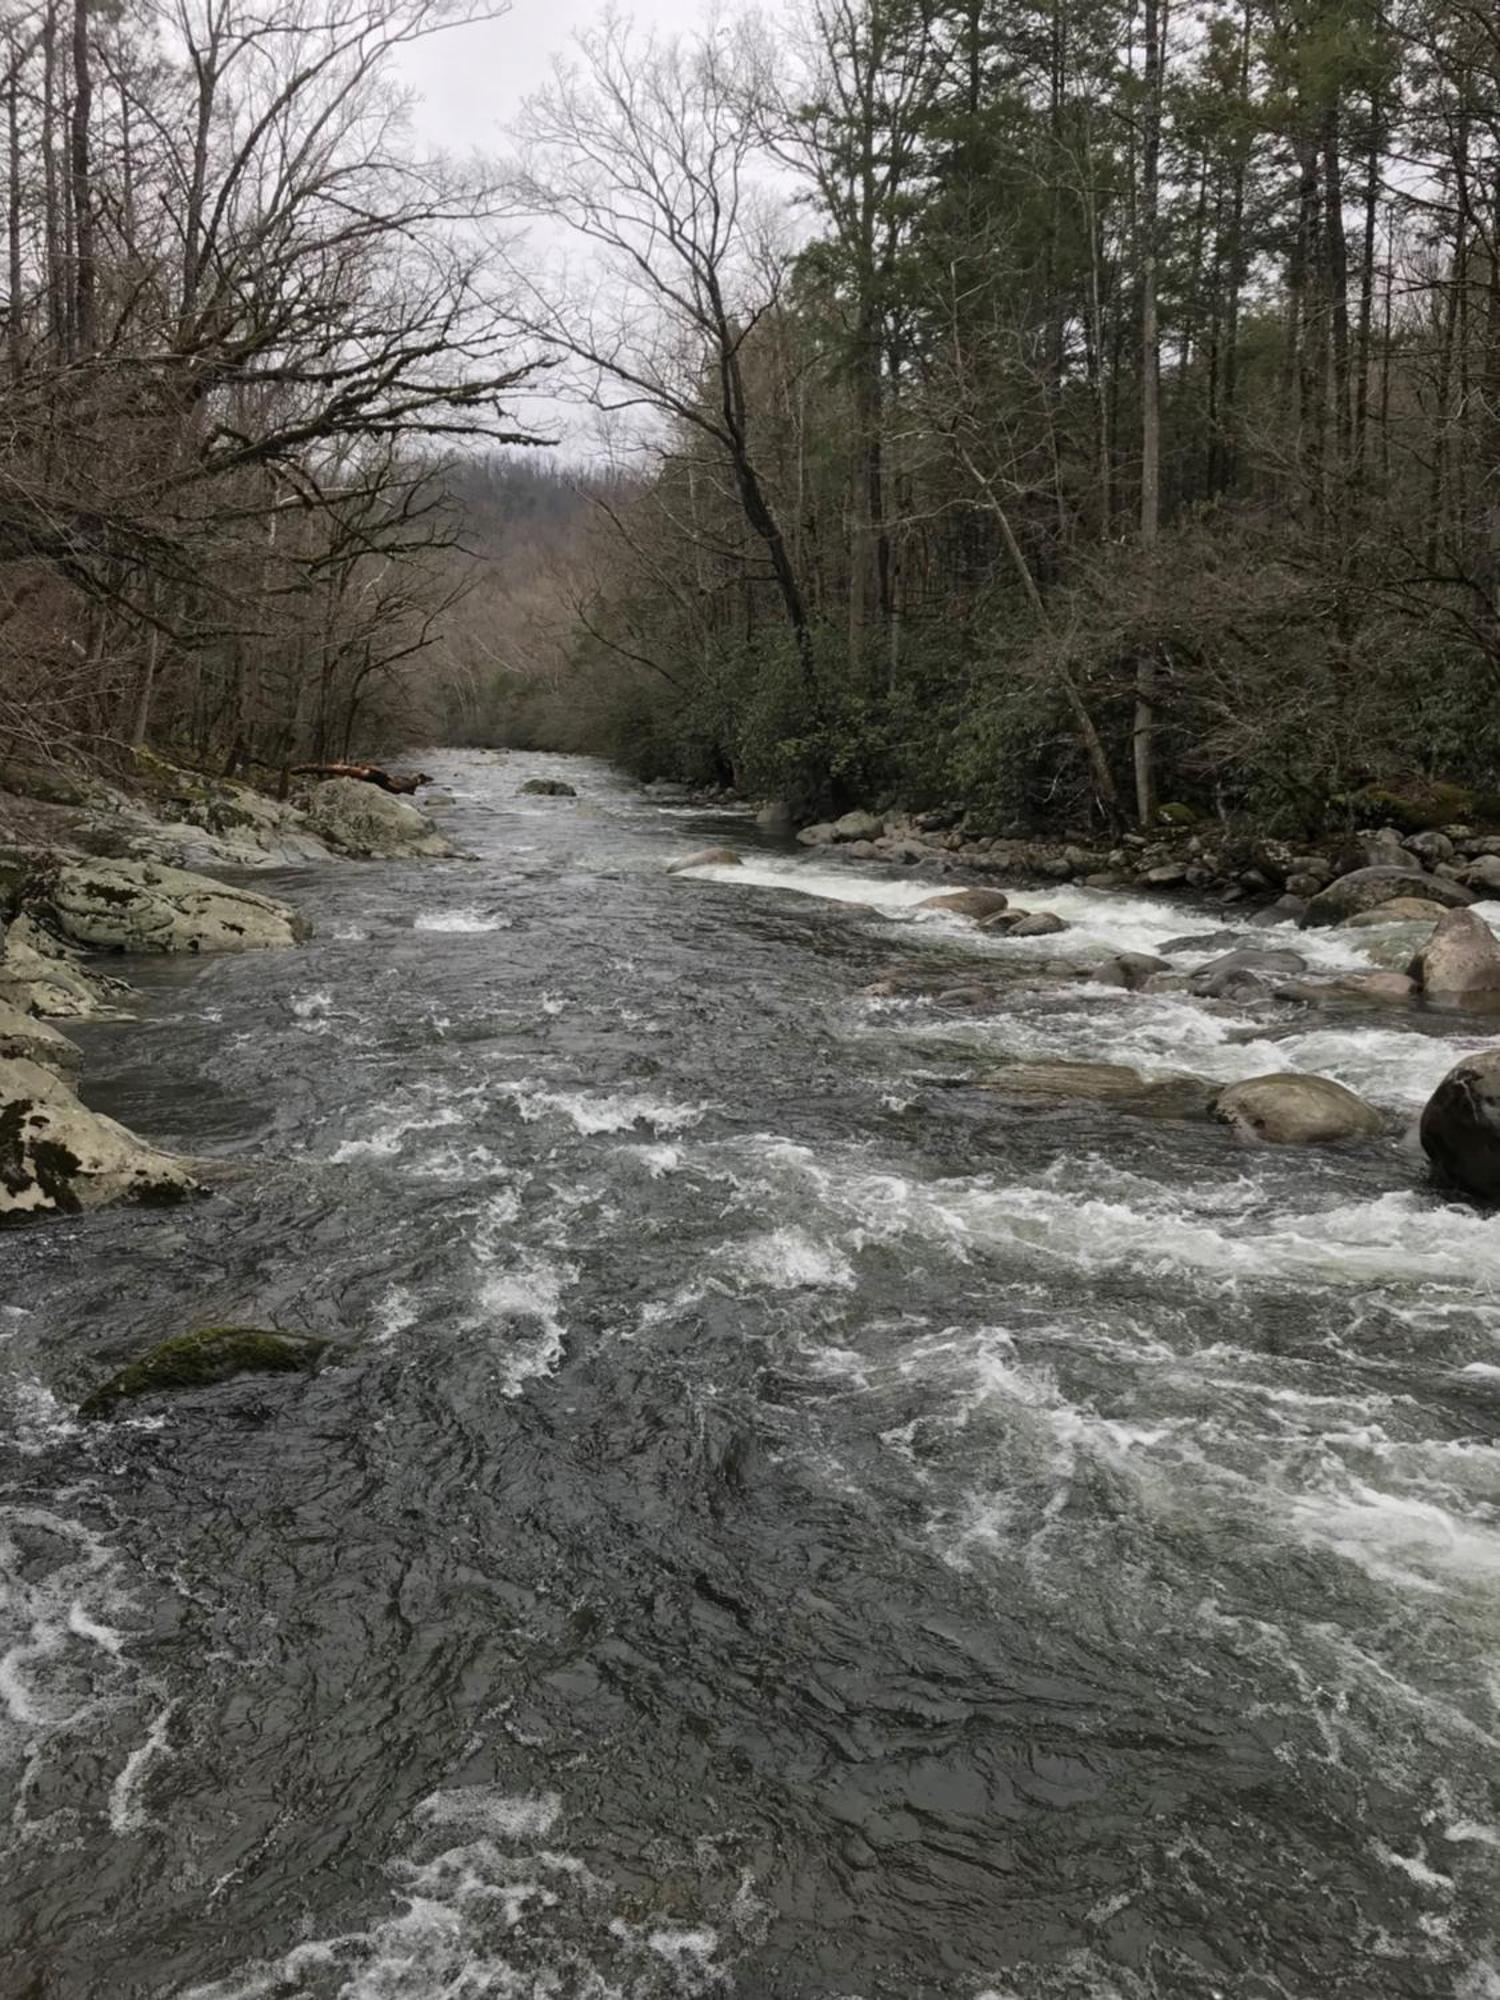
[1065, 409]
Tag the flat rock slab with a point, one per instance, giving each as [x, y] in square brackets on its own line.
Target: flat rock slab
[139, 906]
[1172, 1095]
[57, 1157]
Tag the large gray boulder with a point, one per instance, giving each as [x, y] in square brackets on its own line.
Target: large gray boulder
[858, 826]
[57, 1157]
[1285, 1109]
[138, 906]
[967, 902]
[1460, 962]
[372, 825]
[1460, 1129]
[23, 1035]
[1368, 888]
[1244, 974]
[39, 974]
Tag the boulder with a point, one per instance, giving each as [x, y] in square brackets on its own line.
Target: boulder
[775, 818]
[1430, 847]
[1483, 875]
[34, 1041]
[58, 1157]
[40, 975]
[372, 825]
[547, 788]
[708, 857]
[1131, 969]
[1244, 973]
[1368, 888]
[1390, 988]
[1166, 875]
[858, 826]
[968, 902]
[137, 906]
[1460, 1128]
[819, 835]
[1460, 962]
[1286, 1109]
[197, 1360]
[1170, 1095]
[1399, 910]
[1037, 923]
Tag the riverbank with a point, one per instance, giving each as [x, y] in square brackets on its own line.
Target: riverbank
[91, 874]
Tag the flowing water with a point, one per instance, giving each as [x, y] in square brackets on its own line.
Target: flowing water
[784, 1522]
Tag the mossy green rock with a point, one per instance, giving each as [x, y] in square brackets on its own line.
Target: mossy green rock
[198, 1360]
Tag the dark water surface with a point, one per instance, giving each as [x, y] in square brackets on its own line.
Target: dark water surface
[784, 1522]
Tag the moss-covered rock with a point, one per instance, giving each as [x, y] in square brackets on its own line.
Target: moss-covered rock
[1417, 805]
[198, 1360]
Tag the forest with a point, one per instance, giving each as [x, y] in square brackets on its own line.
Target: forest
[1080, 410]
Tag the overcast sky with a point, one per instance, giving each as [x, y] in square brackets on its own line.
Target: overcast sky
[472, 80]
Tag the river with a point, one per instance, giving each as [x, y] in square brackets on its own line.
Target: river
[783, 1523]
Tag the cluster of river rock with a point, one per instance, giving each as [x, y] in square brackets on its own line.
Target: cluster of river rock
[109, 879]
[1420, 889]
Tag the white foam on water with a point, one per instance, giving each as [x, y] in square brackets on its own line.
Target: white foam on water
[1163, 1034]
[1404, 1539]
[591, 1114]
[386, 1143]
[312, 1009]
[462, 922]
[786, 1260]
[127, 1814]
[1227, 1234]
[1415, 1866]
[487, 1809]
[479, 1919]
[1101, 922]
[529, 1292]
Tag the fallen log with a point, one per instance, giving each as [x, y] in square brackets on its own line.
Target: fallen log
[370, 774]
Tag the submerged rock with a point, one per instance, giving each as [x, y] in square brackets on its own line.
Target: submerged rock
[198, 1360]
[1171, 1095]
[57, 1156]
[709, 857]
[1245, 973]
[1287, 1109]
[1460, 1128]
[548, 788]
[1368, 888]
[1391, 988]
[137, 906]
[967, 902]
[1130, 969]
[372, 825]
[1460, 962]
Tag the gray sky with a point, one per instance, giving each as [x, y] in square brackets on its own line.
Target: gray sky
[472, 80]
